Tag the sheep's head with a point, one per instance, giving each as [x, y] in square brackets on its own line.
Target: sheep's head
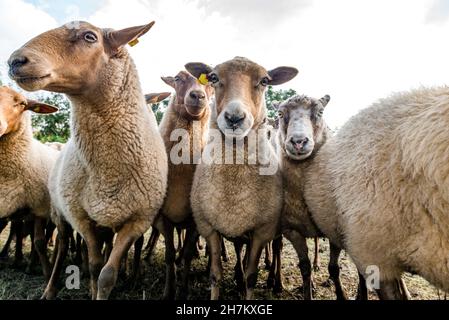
[192, 97]
[240, 86]
[69, 59]
[301, 125]
[12, 107]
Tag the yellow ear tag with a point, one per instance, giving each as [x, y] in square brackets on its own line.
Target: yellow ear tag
[133, 42]
[203, 79]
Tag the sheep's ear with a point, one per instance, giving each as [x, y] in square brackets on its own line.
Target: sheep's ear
[152, 98]
[39, 107]
[170, 81]
[282, 75]
[119, 38]
[325, 100]
[197, 69]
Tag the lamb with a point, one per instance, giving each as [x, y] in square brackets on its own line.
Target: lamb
[302, 133]
[188, 115]
[113, 171]
[387, 170]
[26, 165]
[238, 200]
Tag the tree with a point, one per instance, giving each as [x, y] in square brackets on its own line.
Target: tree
[276, 96]
[54, 127]
[159, 110]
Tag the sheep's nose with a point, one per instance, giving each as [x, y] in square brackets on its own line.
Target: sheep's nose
[299, 143]
[16, 62]
[197, 95]
[234, 120]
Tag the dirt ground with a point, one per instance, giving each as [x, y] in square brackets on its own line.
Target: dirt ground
[16, 285]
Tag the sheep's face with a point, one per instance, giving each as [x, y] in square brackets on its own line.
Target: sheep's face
[70, 59]
[240, 86]
[192, 96]
[301, 125]
[12, 107]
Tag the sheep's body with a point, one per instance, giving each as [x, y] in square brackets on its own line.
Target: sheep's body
[390, 179]
[24, 172]
[180, 176]
[113, 169]
[236, 199]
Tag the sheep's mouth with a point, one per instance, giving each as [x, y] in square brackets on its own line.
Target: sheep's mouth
[30, 80]
[298, 155]
[195, 111]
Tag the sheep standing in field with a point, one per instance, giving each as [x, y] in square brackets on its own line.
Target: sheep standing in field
[186, 118]
[239, 201]
[113, 171]
[302, 133]
[387, 169]
[25, 166]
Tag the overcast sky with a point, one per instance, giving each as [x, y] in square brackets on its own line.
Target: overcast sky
[356, 51]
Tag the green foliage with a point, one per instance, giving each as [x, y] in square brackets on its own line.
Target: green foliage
[159, 109]
[276, 96]
[54, 127]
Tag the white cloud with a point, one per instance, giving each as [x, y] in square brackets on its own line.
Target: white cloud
[356, 51]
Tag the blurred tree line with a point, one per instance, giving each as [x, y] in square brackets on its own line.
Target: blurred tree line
[56, 127]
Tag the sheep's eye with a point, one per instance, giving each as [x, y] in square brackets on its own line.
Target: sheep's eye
[90, 37]
[265, 82]
[177, 79]
[320, 113]
[213, 78]
[280, 114]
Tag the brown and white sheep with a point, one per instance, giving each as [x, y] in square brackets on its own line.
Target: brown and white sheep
[387, 169]
[113, 171]
[238, 200]
[26, 165]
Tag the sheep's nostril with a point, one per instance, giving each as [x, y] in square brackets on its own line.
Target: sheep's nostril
[234, 120]
[299, 143]
[18, 62]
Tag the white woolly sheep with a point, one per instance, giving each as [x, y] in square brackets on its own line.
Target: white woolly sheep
[387, 169]
[113, 171]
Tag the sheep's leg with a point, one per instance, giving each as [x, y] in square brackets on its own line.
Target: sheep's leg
[72, 244]
[108, 276]
[94, 255]
[334, 272]
[389, 290]
[138, 245]
[62, 244]
[170, 257]
[238, 269]
[190, 241]
[33, 256]
[317, 260]
[216, 268]
[49, 232]
[84, 259]
[300, 245]
[108, 240]
[6, 247]
[362, 292]
[40, 244]
[277, 248]
[18, 256]
[268, 256]
[3, 224]
[154, 238]
[78, 254]
[199, 244]
[404, 291]
[224, 250]
[255, 247]
[181, 239]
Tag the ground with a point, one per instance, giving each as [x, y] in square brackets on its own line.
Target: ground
[16, 285]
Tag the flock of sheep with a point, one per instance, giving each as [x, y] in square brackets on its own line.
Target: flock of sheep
[379, 189]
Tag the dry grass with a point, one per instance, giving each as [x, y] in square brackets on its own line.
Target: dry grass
[16, 285]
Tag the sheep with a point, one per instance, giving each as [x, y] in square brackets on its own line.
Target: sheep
[112, 173]
[301, 135]
[238, 200]
[26, 165]
[387, 170]
[188, 116]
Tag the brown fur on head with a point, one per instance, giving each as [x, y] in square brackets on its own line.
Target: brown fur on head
[192, 98]
[71, 58]
[12, 107]
[240, 86]
[301, 125]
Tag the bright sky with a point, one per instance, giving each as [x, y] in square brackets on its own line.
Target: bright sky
[356, 51]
